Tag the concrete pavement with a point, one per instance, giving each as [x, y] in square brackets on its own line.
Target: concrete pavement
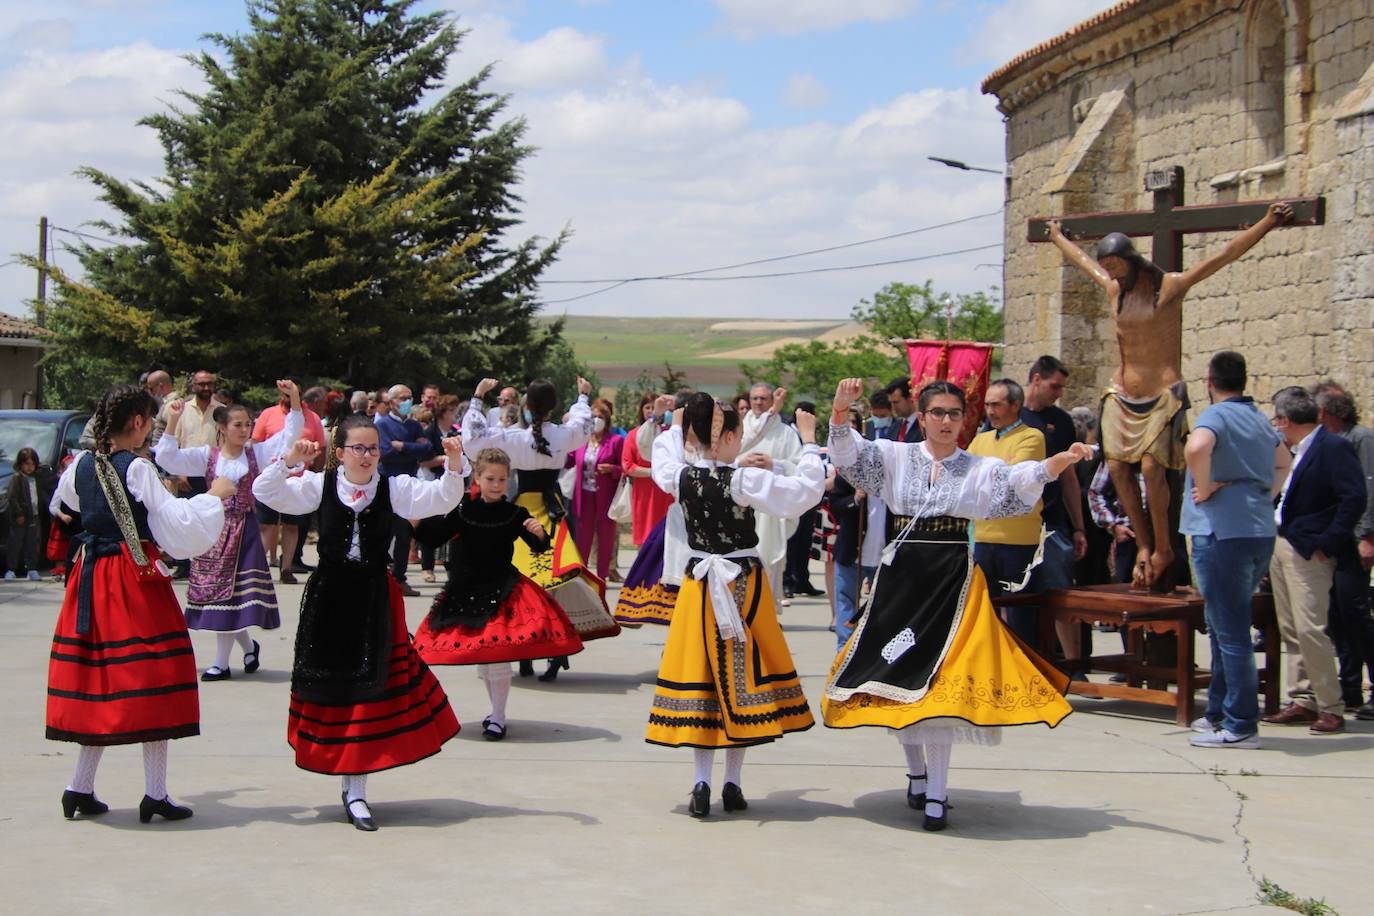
[1112, 812]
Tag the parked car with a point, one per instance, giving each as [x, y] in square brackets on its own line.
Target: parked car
[55, 435]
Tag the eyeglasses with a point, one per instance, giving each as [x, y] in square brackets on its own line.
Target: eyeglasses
[940, 414]
[364, 451]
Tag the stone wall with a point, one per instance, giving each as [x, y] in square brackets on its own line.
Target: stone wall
[1188, 86]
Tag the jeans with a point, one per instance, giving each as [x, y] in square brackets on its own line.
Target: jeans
[848, 580]
[1228, 572]
[1007, 563]
[1351, 626]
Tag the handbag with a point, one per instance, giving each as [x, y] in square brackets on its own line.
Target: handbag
[567, 481]
[622, 507]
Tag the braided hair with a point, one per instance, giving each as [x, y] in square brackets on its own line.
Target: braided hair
[699, 414]
[540, 398]
[341, 430]
[120, 405]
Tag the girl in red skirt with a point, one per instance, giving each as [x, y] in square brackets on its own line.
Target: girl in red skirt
[122, 670]
[490, 614]
[361, 699]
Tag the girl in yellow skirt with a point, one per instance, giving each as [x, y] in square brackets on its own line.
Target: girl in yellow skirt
[727, 677]
[538, 454]
[929, 658]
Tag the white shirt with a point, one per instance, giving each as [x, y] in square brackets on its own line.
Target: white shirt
[194, 462]
[184, 528]
[518, 444]
[410, 497]
[1298, 451]
[758, 488]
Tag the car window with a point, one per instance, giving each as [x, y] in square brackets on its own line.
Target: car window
[71, 442]
[40, 435]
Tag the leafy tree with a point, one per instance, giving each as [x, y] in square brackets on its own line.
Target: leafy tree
[896, 312]
[319, 214]
[627, 396]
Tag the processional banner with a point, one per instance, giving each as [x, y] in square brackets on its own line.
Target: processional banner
[963, 362]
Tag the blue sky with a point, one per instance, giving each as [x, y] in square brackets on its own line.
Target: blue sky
[672, 135]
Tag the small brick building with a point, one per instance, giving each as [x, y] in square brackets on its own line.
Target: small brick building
[1255, 99]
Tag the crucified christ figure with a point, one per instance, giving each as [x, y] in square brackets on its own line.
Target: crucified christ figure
[1144, 421]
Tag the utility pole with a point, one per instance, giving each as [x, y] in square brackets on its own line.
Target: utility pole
[41, 302]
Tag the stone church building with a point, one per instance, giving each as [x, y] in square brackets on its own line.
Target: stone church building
[1255, 99]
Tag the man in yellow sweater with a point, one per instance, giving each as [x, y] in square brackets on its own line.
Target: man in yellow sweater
[1004, 547]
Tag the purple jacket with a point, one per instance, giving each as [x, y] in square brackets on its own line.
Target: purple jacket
[609, 453]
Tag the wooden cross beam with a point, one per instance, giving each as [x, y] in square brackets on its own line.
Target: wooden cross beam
[1170, 221]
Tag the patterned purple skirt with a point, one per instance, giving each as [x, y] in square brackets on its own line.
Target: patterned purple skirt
[231, 585]
[644, 598]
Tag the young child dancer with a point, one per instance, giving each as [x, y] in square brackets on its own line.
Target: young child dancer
[930, 659]
[490, 614]
[231, 584]
[361, 699]
[727, 677]
[538, 454]
[122, 670]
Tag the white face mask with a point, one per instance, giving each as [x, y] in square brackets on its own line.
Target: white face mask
[599, 424]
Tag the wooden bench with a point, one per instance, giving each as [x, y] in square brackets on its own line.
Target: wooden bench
[1137, 613]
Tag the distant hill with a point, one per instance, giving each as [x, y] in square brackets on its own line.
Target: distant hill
[709, 350]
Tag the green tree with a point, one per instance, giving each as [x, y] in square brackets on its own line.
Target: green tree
[319, 214]
[897, 312]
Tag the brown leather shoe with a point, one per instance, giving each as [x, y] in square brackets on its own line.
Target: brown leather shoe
[1328, 723]
[409, 590]
[1292, 714]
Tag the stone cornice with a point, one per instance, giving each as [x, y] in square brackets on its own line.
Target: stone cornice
[1128, 28]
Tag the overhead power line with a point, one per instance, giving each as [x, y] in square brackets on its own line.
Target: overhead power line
[782, 257]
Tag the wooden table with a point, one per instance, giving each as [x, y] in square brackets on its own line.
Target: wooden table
[1136, 613]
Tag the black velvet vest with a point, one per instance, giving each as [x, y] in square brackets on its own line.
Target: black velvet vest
[715, 522]
[336, 524]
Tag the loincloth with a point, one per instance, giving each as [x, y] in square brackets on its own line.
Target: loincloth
[1131, 430]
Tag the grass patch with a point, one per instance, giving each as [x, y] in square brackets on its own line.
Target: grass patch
[1270, 894]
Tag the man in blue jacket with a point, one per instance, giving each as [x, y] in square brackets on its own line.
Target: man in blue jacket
[404, 446]
[1320, 503]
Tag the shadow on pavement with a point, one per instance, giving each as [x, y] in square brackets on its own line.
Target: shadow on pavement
[573, 681]
[974, 814]
[533, 731]
[212, 814]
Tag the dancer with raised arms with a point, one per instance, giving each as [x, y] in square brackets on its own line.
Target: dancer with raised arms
[231, 584]
[726, 679]
[122, 670]
[929, 658]
[538, 454]
[361, 699]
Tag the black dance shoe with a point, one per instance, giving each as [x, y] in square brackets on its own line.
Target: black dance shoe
[554, 664]
[700, 805]
[161, 806]
[915, 800]
[526, 668]
[84, 803]
[491, 731]
[252, 660]
[214, 673]
[934, 823]
[733, 797]
[364, 823]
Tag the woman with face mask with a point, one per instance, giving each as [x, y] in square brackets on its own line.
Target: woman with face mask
[231, 585]
[598, 465]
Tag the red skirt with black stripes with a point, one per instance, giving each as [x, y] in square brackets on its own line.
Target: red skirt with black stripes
[132, 678]
[409, 722]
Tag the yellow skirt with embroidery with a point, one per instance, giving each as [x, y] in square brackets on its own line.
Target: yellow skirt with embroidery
[987, 677]
[713, 692]
[561, 572]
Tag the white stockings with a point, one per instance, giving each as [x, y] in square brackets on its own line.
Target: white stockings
[224, 644]
[497, 678]
[86, 762]
[702, 758]
[355, 790]
[155, 769]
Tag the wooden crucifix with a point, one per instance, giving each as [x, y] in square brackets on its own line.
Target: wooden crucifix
[1143, 421]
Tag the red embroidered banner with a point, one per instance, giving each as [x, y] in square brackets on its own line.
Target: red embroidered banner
[965, 363]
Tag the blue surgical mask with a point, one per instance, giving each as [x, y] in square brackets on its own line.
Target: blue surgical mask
[403, 408]
[529, 418]
[881, 422]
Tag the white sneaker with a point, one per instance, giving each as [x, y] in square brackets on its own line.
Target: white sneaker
[1203, 725]
[1223, 738]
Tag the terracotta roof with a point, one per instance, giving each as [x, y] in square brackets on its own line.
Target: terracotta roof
[1100, 22]
[13, 327]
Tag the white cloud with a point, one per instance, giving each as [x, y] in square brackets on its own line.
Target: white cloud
[1019, 25]
[750, 18]
[561, 57]
[805, 91]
